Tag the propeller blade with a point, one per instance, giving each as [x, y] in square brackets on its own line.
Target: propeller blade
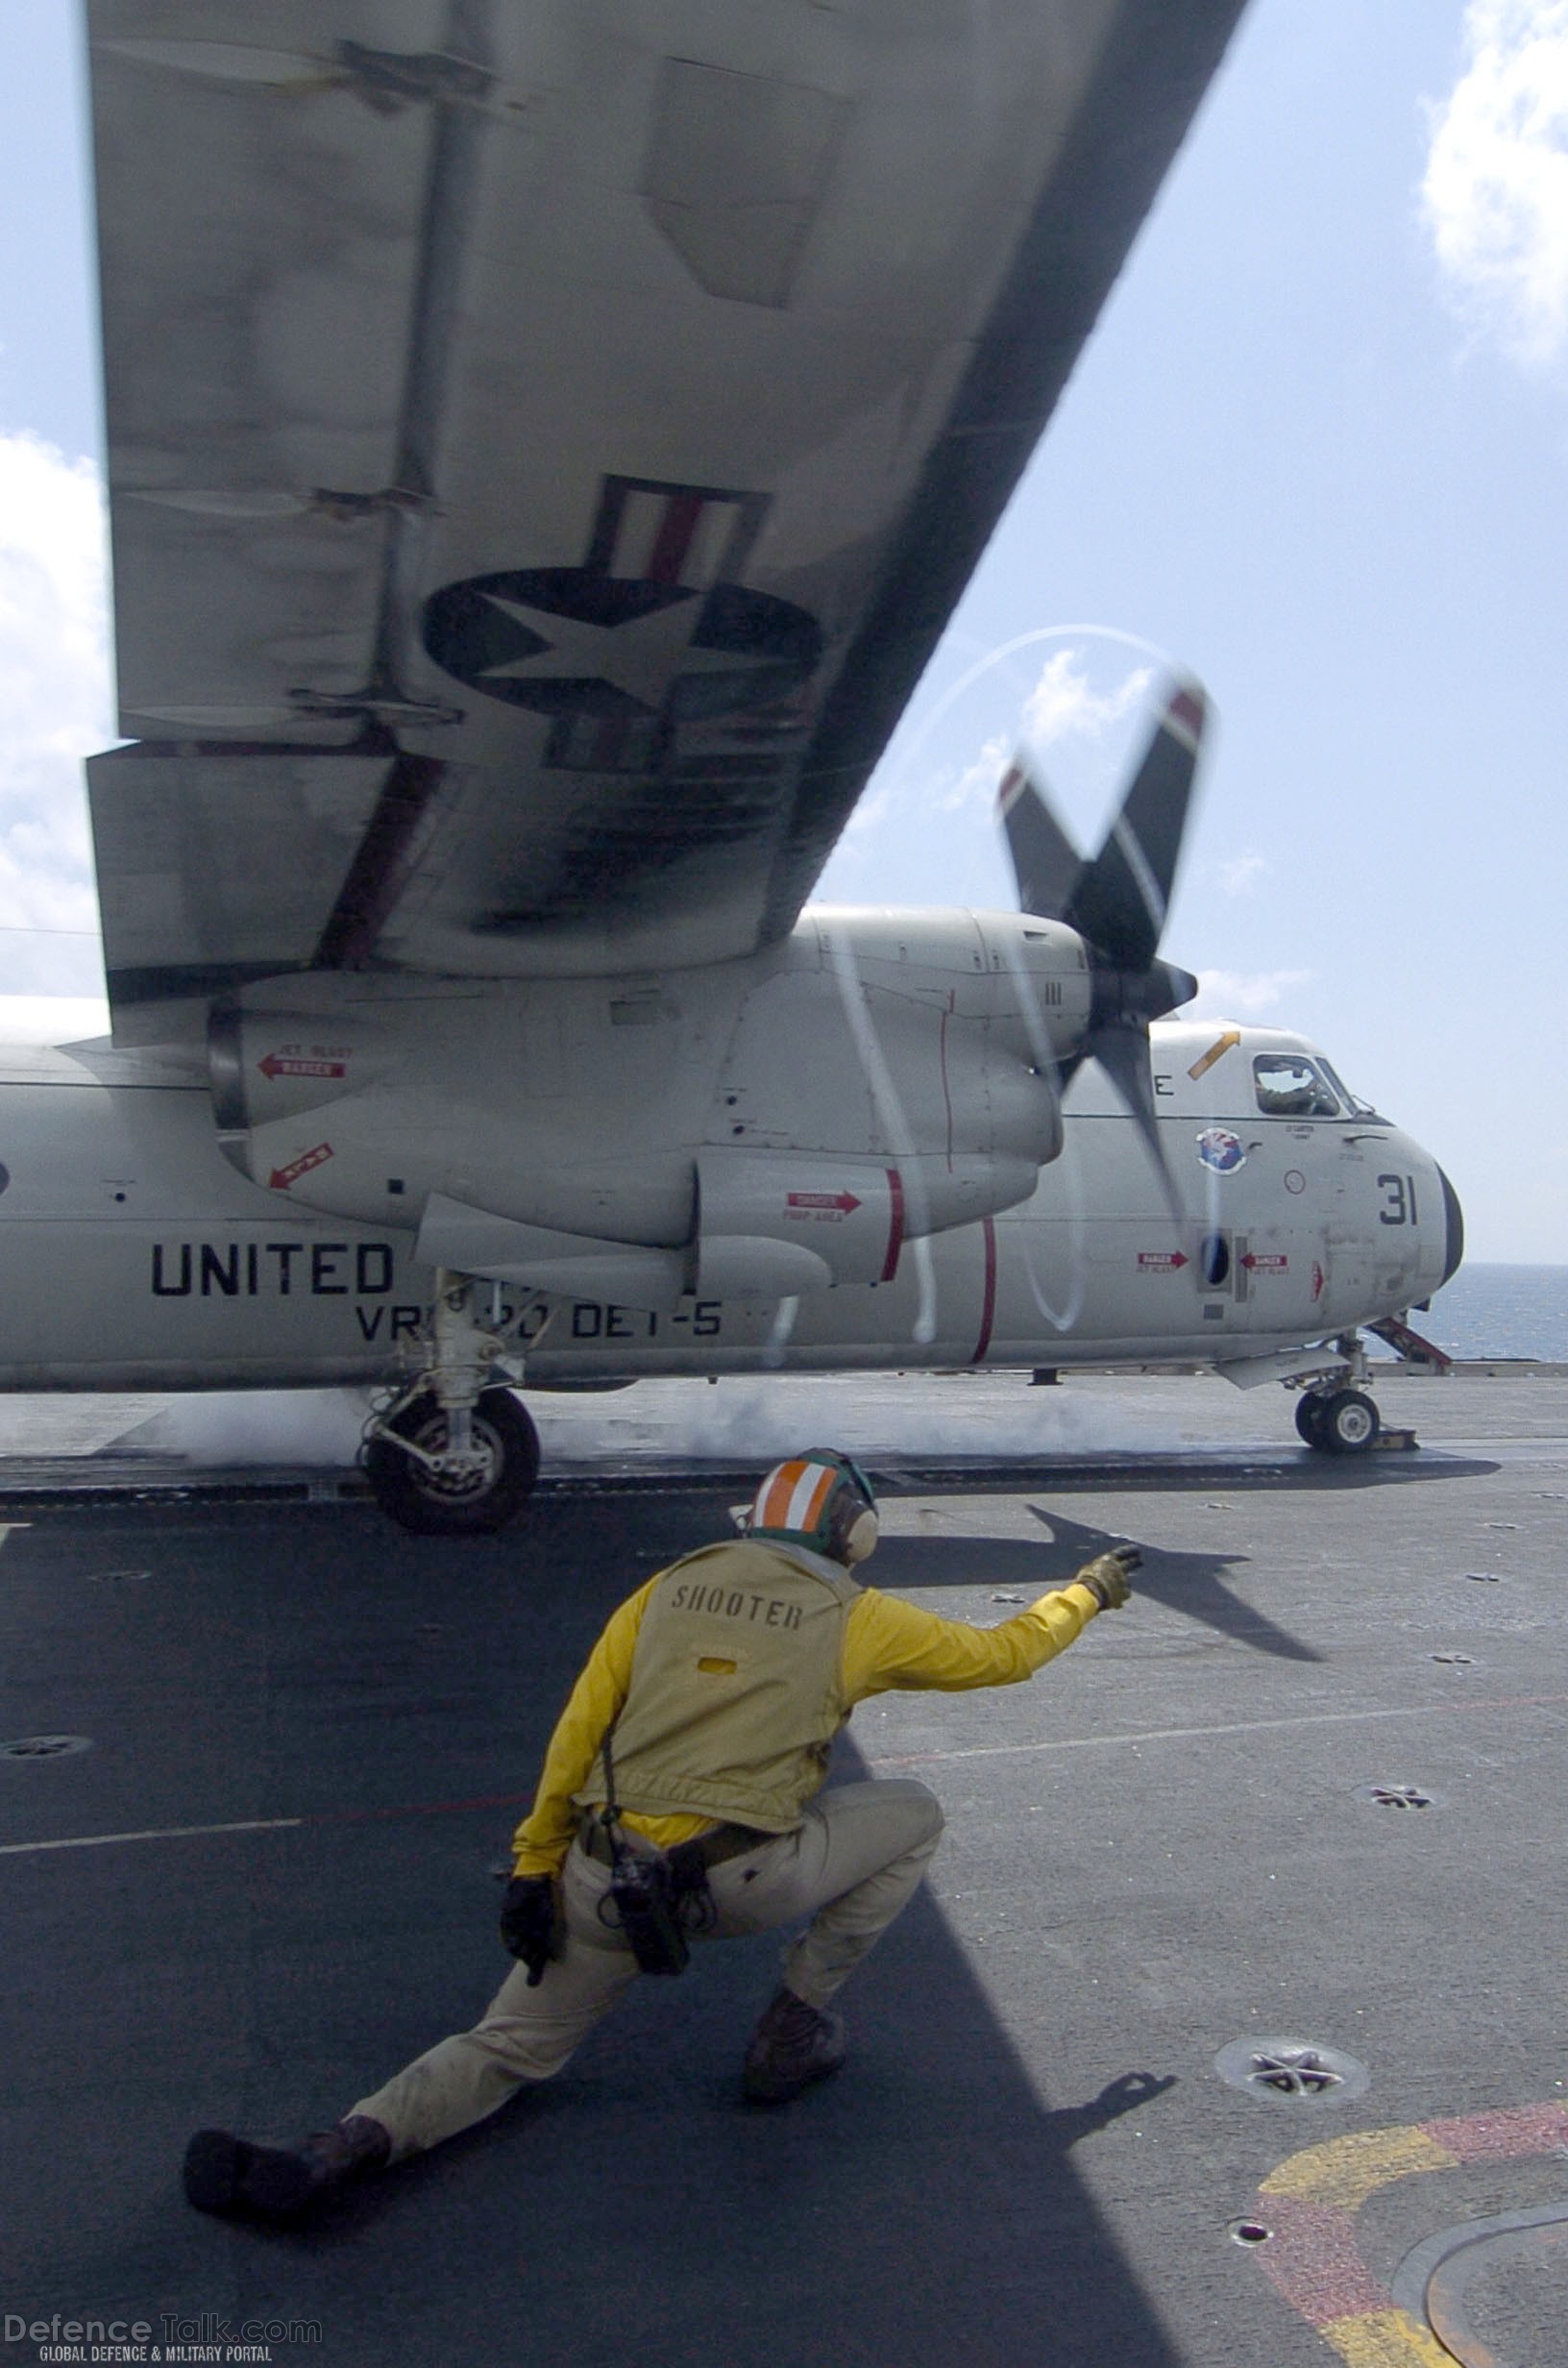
[1046, 866]
[1122, 1046]
[1165, 987]
[1117, 906]
[1120, 899]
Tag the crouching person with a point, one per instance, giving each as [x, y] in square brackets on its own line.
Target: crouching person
[682, 1793]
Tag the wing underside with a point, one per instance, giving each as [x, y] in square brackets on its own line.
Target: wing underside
[546, 443]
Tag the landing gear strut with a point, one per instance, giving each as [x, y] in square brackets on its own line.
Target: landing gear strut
[1341, 1420]
[453, 1454]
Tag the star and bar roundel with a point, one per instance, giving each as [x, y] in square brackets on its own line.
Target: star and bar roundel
[651, 625]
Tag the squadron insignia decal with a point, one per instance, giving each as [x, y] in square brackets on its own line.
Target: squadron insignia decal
[1218, 1148]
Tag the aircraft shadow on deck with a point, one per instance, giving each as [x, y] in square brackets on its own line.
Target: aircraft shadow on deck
[1192, 1583]
[927, 2206]
[1176, 1474]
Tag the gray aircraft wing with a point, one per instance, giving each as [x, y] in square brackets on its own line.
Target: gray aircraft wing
[547, 441]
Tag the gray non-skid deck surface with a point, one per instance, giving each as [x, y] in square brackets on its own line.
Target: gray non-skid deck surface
[1153, 1850]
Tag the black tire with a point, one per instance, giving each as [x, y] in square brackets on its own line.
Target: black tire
[472, 1507]
[1309, 1419]
[1350, 1421]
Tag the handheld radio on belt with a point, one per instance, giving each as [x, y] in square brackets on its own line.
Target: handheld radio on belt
[647, 1893]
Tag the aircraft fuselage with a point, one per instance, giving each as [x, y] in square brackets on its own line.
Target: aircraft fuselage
[133, 1255]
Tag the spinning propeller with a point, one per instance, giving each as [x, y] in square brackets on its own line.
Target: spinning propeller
[1117, 904]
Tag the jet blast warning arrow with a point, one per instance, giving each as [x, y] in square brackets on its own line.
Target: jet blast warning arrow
[1162, 1261]
[282, 1178]
[1258, 1262]
[276, 1065]
[841, 1203]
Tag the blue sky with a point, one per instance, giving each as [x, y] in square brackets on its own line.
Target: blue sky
[1315, 453]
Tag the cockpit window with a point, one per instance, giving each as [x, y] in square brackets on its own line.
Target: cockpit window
[1289, 1086]
[1358, 1108]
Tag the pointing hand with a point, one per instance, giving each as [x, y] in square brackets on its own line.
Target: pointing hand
[1106, 1577]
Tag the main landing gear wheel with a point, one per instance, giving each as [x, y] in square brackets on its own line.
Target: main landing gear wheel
[1347, 1423]
[466, 1504]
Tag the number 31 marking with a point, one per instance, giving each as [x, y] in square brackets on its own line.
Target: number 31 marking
[1398, 1201]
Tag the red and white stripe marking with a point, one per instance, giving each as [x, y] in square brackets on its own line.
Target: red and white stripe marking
[793, 1496]
[1184, 717]
[674, 536]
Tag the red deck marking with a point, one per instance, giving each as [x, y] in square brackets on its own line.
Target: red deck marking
[1313, 2260]
[1502, 2136]
[895, 1223]
[988, 1307]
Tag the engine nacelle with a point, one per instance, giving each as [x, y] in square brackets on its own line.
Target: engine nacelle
[768, 1126]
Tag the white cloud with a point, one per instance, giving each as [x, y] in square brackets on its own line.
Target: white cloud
[1226, 994]
[1495, 192]
[977, 785]
[1240, 875]
[56, 707]
[1062, 704]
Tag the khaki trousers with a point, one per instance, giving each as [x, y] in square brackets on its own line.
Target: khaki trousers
[851, 1865]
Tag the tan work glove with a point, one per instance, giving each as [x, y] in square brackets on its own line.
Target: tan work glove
[1106, 1577]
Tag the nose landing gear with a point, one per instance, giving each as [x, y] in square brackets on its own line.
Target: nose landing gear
[1338, 1417]
[1338, 1422]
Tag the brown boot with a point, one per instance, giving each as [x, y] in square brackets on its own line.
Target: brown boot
[792, 2045]
[243, 2181]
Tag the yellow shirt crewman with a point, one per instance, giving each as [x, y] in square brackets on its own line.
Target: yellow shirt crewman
[682, 1793]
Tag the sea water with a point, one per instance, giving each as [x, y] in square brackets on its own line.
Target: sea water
[1495, 1311]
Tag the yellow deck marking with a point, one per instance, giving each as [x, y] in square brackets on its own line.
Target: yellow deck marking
[1347, 2170]
[1215, 1053]
[1386, 2339]
[1317, 2261]
[6, 1528]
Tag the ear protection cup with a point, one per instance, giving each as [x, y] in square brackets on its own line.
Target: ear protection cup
[862, 1534]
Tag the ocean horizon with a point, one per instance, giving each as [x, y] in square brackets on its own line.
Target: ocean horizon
[1501, 1311]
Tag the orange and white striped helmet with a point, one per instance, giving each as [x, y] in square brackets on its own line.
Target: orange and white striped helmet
[820, 1499]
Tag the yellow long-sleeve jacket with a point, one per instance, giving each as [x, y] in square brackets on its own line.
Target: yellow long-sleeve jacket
[887, 1644]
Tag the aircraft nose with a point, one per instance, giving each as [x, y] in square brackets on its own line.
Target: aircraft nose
[1453, 1251]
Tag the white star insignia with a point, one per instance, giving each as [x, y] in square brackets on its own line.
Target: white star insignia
[641, 657]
